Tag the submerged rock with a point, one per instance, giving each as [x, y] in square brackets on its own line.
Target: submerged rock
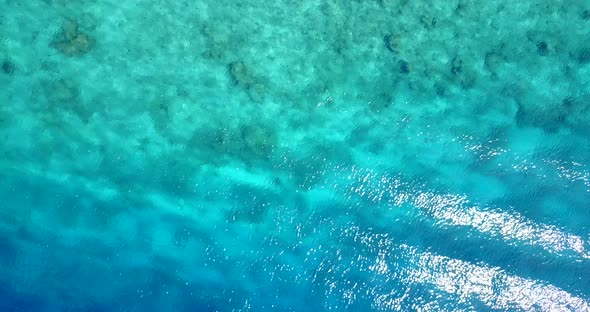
[542, 48]
[428, 21]
[456, 65]
[71, 41]
[391, 43]
[584, 55]
[404, 67]
[8, 67]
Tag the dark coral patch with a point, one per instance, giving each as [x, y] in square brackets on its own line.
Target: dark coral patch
[71, 41]
[8, 67]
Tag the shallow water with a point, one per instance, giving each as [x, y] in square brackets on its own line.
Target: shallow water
[294, 156]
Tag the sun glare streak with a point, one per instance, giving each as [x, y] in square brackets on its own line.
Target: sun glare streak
[492, 286]
[457, 210]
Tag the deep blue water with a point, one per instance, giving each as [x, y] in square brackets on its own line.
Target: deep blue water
[294, 156]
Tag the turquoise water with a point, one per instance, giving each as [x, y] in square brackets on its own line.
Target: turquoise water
[322, 155]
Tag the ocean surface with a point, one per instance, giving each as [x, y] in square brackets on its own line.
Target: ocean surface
[313, 155]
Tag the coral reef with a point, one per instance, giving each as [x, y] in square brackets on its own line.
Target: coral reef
[71, 41]
[254, 205]
[62, 91]
[243, 76]
[250, 142]
[222, 149]
[549, 116]
[258, 139]
[216, 42]
[63, 95]
[380, 102]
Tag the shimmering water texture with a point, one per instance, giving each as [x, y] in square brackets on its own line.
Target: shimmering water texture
[315, 155]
